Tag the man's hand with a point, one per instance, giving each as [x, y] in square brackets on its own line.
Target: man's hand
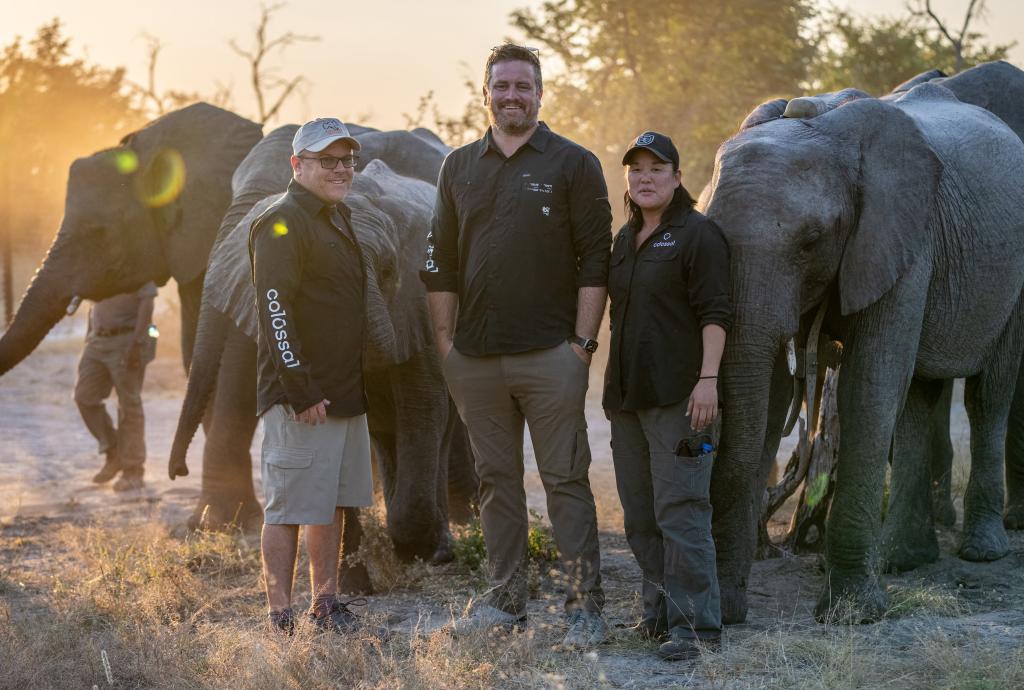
[132, 358]
[581, 353]
[313, 415]
[702, 407]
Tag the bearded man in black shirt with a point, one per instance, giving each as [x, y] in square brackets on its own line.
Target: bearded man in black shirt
[516, 274]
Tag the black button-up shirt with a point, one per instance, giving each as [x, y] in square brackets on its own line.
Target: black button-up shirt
[516, 238]
[662, 296]
[310, 302]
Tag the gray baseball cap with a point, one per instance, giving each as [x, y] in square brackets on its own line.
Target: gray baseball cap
[318, 134]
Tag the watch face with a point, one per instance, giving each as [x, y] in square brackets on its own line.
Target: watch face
[590, 346]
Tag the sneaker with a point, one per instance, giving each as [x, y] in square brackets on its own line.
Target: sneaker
[131, 479]
[110, 468]
[685, 648]
[485, 618]
[282, 621]
[341, 619]
[586, 629]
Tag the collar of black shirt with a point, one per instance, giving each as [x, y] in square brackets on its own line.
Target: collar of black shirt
[538, 140]
[312, 204]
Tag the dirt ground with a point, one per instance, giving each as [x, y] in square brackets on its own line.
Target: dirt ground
[950, 608]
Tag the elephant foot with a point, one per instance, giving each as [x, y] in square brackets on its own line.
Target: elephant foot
[1013, 518]
[943, 511]
[851, 598]
[224, 515]
[984, 540]
[445, 552]
[905, 553]
[354, 579]
[734, 603]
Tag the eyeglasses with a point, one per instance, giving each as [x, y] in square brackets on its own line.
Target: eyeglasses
[331, 162]
[535, 51]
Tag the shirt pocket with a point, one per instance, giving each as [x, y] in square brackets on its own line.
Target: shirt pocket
[544, 208]
[660, 269]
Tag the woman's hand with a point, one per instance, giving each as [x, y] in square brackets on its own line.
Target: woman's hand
[703, 405]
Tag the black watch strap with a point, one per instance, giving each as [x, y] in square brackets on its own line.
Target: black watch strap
[586, 343]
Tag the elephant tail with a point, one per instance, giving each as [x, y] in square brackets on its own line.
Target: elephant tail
[211, 334]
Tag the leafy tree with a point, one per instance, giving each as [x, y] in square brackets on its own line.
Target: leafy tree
[878, 54]
[53, 109]
[690, 68]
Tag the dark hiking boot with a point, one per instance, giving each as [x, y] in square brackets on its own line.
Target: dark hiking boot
[686, 648]
[109, 470]
[282, 621]
[336, 616]
[131, 479]
[650, 629]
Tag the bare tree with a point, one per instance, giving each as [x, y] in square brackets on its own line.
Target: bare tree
[159, 103]
[264, 80]
[975, 9]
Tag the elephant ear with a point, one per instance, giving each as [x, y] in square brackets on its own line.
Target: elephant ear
[186, 159]
[896, 185]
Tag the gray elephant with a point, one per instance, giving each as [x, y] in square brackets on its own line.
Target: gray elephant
[419, 442]
[907, 216]
[146, 210]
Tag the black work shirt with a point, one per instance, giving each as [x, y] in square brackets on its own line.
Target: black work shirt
[310, 302]
[516, 238]
[662, 296]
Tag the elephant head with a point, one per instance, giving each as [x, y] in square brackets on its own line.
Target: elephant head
[831, 203]
[146, 210]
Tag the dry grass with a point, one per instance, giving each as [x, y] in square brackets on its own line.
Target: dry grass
[168, 612]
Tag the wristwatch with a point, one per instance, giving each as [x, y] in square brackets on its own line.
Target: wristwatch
[586, 343]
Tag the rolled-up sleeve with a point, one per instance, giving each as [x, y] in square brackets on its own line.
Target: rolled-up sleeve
[590, 216]
[277, 267]
[441, 268]
[709, 284]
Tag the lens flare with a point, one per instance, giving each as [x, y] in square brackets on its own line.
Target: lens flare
[280, 229]
[163, 179]
[153, 331]
[125, 161]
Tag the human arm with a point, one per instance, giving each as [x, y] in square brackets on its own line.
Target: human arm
[590, 219]
[702, 407]
[443, 307]
[277, 269]
[143, 319]
[440, 272]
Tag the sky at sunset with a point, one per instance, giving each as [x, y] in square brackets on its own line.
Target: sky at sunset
[373, 62]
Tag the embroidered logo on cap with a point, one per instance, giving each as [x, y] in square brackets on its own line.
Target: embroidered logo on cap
[331, 126]
[644, 139]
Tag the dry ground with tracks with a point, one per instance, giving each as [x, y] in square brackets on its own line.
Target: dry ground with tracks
[103, 589]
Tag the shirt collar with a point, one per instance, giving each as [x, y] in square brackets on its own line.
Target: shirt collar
[538, 140]
[312, 204]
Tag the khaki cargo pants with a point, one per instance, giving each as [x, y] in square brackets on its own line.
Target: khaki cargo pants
[546, 389]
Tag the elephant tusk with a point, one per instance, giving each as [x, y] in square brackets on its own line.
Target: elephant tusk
[73, 305]
[791, 356]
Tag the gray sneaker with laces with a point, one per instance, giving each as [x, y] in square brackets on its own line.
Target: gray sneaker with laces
[586, 629]
[485, 618]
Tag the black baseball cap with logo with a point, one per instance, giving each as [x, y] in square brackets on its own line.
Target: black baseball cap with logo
[658, 144]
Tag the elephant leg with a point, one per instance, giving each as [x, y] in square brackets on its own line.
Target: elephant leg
[942, 459]
[1013, 518]
[353, 578]
[988, 404]
[227, 496]
[878, 363]
[908, 535]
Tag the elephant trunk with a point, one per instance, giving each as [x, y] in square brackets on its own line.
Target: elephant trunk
[211, 334]
[44, 304]
[737, 484]
[381, 340]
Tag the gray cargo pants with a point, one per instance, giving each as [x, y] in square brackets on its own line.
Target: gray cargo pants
[101, 369]
[547, 389]
[667, 509]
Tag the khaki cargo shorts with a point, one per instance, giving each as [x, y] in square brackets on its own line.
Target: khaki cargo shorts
[309, 470]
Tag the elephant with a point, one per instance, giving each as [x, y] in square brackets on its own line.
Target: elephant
[902, 220]
[146, 210]
[418, 440]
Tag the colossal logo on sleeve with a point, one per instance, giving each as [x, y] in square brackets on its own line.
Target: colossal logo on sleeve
[279, 323]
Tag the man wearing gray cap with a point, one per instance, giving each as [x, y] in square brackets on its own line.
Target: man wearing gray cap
[308, 273]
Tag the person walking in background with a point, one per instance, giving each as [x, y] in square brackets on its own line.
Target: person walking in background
[118, 346]
[310, 300]
[670, 309]
[516, 275]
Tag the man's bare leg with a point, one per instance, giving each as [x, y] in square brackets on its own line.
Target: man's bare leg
[279, 545]
[322, 544]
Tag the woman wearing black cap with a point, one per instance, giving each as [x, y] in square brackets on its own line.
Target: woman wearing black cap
[670, 308]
